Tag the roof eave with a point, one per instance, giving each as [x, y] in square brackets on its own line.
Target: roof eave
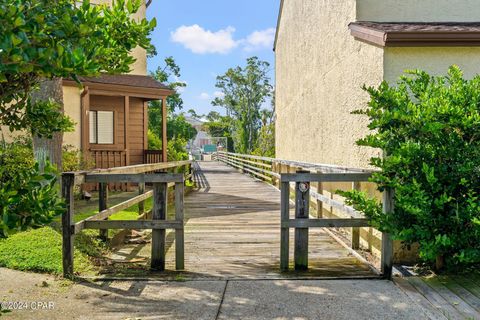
[145, 93]
[279, 18]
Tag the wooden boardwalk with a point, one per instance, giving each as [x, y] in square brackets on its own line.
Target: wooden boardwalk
[232, 231]
[445, 297]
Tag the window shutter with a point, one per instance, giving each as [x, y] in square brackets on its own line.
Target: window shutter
[105, 125]
[93, 126]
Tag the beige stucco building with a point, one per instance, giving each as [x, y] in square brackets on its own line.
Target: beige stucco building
[325, 51]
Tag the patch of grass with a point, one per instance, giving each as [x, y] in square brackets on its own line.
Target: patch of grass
[40, 250]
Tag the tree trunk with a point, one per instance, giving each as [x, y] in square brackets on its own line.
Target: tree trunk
[42, 146]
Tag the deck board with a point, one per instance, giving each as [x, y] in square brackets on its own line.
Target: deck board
[233, 231]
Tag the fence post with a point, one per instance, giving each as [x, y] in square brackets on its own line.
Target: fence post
[302, 206]
[141, 204]
[387, 243]
[356, 231]
[319, 203]
[179, 234]
[284, 231]
[158, 235]
[68, 232]
[102, 205]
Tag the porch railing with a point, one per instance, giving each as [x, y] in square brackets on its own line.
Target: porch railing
[152, 156]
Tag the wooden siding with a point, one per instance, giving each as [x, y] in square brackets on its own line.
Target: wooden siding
[136, 131]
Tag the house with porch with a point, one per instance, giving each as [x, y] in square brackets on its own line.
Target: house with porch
[325, 51]
[111, 113]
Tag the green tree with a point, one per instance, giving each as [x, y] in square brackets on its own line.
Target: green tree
[168, 75]
[42, 41]
[245, 89]
[221, 126]
[429, 129]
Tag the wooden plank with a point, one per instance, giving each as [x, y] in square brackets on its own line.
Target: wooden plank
[179, 235]
[337, 205]
[158, 236]
[132, 224]
[462, 292]
[114, 209]
[386, 262]
[285, 232]
[302, 208]
[129, 177]
[68, 180]
[458, 303]
[102, 205]
[325, 177]
[427, 307]
[326, 223]
[435, 298]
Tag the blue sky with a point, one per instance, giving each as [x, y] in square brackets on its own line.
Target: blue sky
[206, 37]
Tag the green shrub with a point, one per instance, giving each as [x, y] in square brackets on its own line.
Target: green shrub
[429, 129]
[154, 142]
[74, 160]
[40, 250]
[28, 196]
[176, 150]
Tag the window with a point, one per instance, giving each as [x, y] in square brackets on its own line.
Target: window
[101, 127]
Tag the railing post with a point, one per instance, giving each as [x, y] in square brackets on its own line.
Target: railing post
[158, 235]
[141, 205]
[102, 205]
[285, 231]
[68, 232]
[179, 234]
[387, 243]
[302, 206]
[319, 203]
[356, 231]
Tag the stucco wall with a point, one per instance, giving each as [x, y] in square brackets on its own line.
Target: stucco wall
[418, 10]
[433, 60]
[72, 105]
[320, 69]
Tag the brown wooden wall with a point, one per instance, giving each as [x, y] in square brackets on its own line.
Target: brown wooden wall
[136, 130]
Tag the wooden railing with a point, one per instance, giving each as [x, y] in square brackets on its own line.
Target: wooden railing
[108, 158]
[281, 173]
[141, 174]
[152, 156]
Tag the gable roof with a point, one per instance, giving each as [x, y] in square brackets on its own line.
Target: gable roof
[389, 34]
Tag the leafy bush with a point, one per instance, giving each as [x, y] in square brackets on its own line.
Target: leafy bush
[73, 159]
[154, 141]
[429, 129]
[40, 250]
[176, 150]
[28, 196]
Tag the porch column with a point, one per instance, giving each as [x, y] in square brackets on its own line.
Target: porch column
[126, 126]
[164, 129]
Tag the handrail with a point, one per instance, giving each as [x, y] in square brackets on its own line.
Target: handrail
[80, 176]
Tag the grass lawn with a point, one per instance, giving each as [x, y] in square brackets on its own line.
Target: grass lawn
[40, 250]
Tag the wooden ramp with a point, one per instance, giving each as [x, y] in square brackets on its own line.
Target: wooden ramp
[233, 232]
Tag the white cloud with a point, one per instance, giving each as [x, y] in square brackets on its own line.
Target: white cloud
[202, 41]
[204, 96]
[218, 94]
[262, 39]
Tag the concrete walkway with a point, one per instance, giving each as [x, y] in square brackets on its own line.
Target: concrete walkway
[209, 299]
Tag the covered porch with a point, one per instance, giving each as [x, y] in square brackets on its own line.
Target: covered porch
[114, 119]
